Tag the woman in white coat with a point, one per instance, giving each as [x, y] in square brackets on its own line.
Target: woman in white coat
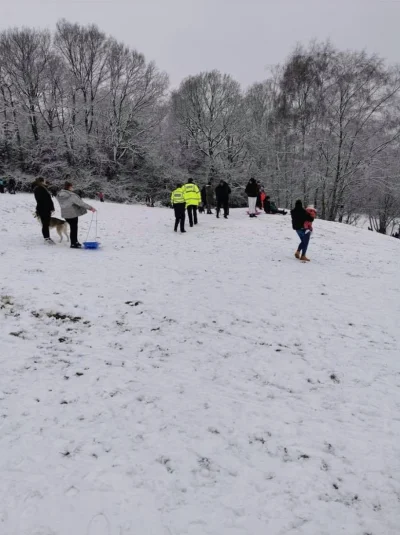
[72, 207]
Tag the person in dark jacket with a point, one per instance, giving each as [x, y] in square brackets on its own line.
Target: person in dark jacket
[252, 191]
[299, 217]
[44, 207]
[11, 186]
[271, 208]
[210, 200]
[222, 192]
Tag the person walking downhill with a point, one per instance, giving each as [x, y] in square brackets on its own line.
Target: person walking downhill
[72, 207]
[44, 208]
[179, 205]
[192, 199]
[300, 217]
[252, 194]
[222, 192]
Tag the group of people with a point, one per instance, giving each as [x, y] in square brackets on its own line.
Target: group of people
[9, 184]
[71, 204]
[187, 197]
[258, 198]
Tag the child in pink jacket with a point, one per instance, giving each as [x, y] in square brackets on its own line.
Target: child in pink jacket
[308, 225]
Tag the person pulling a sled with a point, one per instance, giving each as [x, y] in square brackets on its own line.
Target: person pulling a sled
[72, 207]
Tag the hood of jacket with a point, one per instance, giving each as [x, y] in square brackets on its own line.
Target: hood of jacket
[71, 204]
[65, 194]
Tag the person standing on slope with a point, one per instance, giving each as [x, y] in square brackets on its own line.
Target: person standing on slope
[44, 208]
[192, 199]
[11, 186]
[210, 201]
[252, 194]
[222, 192]
[72, 207]
[300, 217]
[179, 205]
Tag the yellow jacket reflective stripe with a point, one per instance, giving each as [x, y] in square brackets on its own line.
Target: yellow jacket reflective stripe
[192, 195]
[178, 196]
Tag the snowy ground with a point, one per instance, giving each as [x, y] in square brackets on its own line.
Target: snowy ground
[198, 384]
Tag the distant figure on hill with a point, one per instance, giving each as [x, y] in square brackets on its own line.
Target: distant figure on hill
[11, 186]
[44, 208]
[210, 200]
[222, 192]
[203, 204]
[261, 197]
[271, 208]
[299, 218]
[252, 194]
[149, 201]
[193, 200]
[101, 196]
[72, 207]
[2, 182]
[179, 205]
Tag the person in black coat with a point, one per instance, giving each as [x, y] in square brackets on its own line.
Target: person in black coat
[11, 186]
[44, 207]
[222, 192]
[252, 191]
[299, 217]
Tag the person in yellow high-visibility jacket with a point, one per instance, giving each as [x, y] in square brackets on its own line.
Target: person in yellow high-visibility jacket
[193, 199]
[179, 203]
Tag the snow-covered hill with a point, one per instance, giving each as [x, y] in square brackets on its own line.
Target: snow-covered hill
[198, 384]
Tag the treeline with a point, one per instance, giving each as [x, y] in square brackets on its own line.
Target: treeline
[324, 127]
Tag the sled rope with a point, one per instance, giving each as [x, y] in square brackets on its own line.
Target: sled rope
[94, 218]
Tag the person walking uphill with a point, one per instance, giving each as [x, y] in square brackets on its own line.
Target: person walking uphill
[44, 208]
[222, 192]
[192, 199]
[179, 205]
[252, 191]
[300, 217]
[72, 207]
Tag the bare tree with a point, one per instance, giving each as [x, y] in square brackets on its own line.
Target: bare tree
[208, 107]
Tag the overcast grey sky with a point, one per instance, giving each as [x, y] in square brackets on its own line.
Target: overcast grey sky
[240, 37]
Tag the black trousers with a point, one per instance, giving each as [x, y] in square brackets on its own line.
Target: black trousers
[45, 219]
[192, 213]
[180, 214]
[73, 226]
[225, 206]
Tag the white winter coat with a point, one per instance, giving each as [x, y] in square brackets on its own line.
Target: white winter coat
[71, 204]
